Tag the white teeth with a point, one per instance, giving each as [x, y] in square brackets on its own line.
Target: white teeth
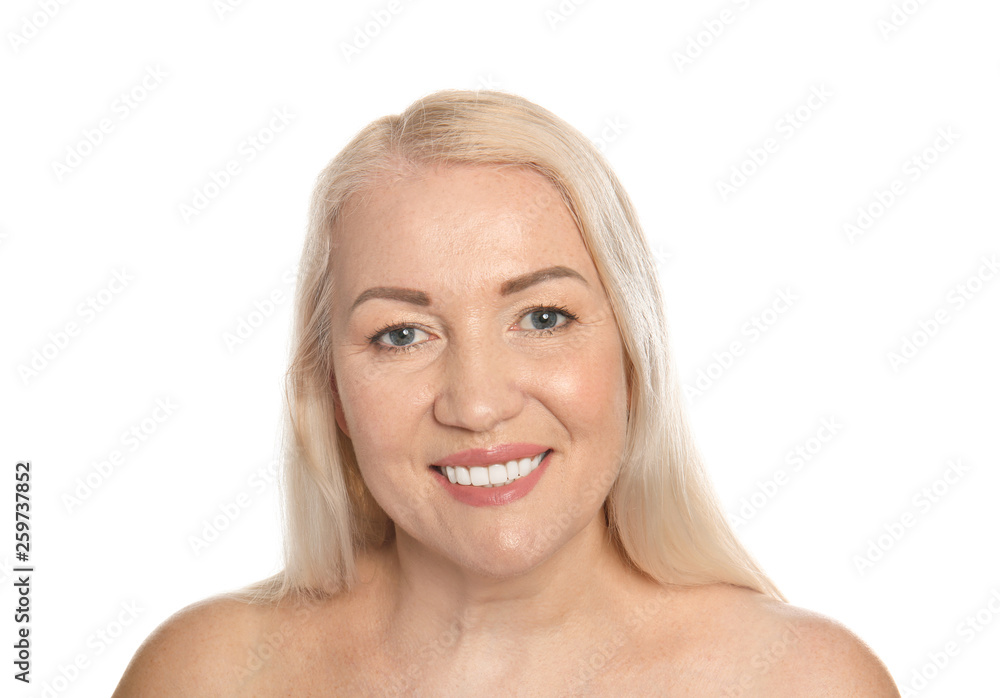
[512, 470]
[524, 467]
[496, 475]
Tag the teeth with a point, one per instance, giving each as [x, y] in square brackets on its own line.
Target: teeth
[496, 475]
[512, 470]
[524, 466]
[479, 476]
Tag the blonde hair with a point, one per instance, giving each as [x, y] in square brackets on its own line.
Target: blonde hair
[662, 512]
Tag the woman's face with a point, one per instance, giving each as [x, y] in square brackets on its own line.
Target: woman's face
[460, 347]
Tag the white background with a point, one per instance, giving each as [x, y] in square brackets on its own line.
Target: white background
[680, 130]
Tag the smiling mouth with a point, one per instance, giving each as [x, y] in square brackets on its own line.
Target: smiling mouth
[496, 475]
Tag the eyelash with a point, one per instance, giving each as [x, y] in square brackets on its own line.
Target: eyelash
[373, 338]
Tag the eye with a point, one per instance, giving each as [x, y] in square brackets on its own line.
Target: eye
[546, 319]
[401, 338]
[397, 338]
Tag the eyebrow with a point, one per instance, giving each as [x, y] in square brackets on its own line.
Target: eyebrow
[508, 287]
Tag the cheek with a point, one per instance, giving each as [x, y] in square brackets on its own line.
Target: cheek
[376, 407]
[384, 414]
[588, 388]
[385, 411]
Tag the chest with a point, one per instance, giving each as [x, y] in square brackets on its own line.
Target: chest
[305, 667]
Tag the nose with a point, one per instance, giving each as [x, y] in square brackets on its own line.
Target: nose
[480, 386]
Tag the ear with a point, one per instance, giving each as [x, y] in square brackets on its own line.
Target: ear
[338, 408]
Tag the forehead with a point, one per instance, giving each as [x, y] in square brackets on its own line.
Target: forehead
[465, 225]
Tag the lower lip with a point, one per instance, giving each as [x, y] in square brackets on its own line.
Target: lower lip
[494, 496]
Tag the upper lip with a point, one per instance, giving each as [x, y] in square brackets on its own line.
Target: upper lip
[489, 456]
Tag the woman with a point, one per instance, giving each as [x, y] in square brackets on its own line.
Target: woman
[491, 485]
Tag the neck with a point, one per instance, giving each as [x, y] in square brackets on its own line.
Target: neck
[435, 603]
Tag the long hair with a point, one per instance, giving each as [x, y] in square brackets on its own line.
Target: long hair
[663, 514]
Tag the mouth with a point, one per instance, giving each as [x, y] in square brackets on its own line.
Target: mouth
[495, 475]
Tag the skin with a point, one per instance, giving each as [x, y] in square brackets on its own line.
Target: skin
[477, 600]
[481, 372]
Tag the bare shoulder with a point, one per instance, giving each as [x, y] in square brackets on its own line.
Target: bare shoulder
[783, 650]
[828, 659]
[198, 651]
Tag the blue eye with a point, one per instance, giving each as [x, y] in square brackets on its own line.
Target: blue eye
[547, 318]
[401, 338]
[404, 334]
